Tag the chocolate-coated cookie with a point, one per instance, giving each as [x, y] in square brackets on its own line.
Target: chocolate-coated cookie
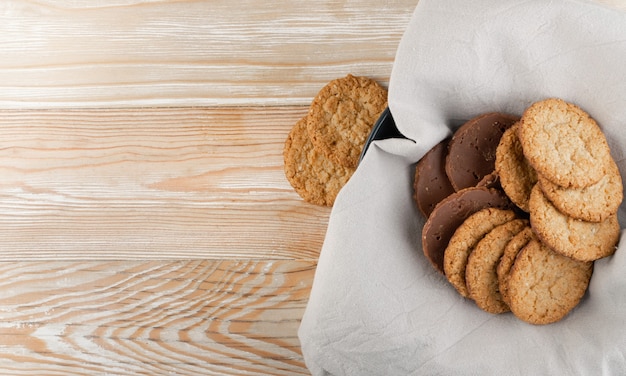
[431, 184]
[472, 149]
[450, 213]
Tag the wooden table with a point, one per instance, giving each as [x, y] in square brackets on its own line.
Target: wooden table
[146, 226]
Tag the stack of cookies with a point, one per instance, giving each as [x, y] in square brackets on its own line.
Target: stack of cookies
[322, 150]
[573, 208]
[522, 238]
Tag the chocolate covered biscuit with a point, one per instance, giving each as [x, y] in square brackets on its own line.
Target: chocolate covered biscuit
[472, 149]
[431, 184]
[450, 213]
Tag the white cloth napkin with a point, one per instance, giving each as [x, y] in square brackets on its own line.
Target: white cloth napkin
[377, 307]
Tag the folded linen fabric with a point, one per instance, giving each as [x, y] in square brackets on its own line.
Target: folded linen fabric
[377, 307]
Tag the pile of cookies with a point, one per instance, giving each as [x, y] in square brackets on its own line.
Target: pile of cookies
[322, 150]
[519, 208]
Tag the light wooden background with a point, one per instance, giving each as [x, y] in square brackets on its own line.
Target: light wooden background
[146, 226]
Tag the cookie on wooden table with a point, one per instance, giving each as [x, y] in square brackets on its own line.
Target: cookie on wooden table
[314, 177]
[563, 143]
[545, 286]
[481, 271]
[594, 203]
[465, 238]
[513, 247]
[581, 240]
[342, 115]
[517, 176]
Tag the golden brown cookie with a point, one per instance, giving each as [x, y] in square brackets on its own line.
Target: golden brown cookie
[563, 143]
[313, 176]
[342, 115]
[594, 203]
[465, 238]
[481, 275]
[545, 286]
[581, 240]
[517, 176]
[511, 250]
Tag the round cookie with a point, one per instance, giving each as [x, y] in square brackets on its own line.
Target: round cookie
[450, 213]
[563, 143]
[472, 149]
[314, 177]
[342, 115]
[481, 275]
[594, 203]
[511, 250]
[544, 286]
[517, 176]
[580, 240]
[465, 238]
[431, 184]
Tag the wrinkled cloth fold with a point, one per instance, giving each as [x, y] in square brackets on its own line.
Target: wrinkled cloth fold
[377, 307]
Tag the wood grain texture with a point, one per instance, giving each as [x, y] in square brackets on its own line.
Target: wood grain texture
[146, 226]
[152, 318]
[129, 53]
[66, 53]
[153, 183]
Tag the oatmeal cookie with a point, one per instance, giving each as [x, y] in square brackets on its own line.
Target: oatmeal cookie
[511, 250]
[571, 237]
[594, 203]
[517, 176]
[481, 272]
[545, 286]
[465, 238]
[342, 115]
[314, 177]
[563, 143]
[450, 213]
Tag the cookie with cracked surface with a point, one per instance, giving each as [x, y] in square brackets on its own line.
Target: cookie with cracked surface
[342, 115]
[594, 203]
[563, 143]
[314, 177]
[465, 238]
[481, 272]
[545, 286]
[517, 176]
[571, 237]
[511, 250]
